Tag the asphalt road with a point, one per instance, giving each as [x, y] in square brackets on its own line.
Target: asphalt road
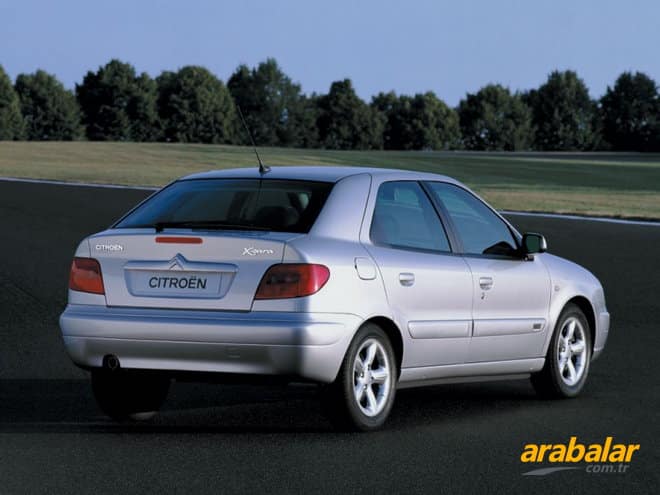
[220, 439]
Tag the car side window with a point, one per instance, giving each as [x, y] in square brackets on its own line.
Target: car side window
[405, 218]
[481, 231]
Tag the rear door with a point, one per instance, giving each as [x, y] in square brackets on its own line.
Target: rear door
[429, 289]
[204, 243]
[511, 295]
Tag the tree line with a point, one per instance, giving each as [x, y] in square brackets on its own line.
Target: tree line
[192, 105]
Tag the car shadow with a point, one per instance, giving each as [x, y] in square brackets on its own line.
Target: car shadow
[68, 406]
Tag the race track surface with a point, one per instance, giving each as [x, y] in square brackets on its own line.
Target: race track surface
[230, 438]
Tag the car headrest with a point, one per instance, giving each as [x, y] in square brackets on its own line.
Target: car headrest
[384, 228]
[276, 217]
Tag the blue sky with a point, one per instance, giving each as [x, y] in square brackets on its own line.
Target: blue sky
[413, 46]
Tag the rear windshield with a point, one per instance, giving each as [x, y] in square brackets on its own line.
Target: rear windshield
[274, 205]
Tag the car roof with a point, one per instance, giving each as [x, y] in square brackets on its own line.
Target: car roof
[316, 173]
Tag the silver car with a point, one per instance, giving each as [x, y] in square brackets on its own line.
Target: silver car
[363, 280]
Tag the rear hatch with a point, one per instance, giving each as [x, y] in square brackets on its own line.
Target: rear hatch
[185, 269]
[204, 243]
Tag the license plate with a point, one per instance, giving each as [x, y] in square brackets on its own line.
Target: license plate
[174, 284]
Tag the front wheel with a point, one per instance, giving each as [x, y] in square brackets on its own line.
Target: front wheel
[362, 396]
[123, 394]
[569, 354]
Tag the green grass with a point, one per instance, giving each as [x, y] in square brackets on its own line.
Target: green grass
[608, 184]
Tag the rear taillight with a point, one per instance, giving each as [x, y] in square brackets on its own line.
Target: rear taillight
[86, 276]
[292, 280]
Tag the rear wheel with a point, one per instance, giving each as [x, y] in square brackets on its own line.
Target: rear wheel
[123, 394]
[569, 354]
[362, 396]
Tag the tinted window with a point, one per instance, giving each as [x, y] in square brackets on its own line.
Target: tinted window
[404, 218]
[480, 230]
[276, 205]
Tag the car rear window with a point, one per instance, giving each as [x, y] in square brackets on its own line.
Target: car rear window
[268, 204]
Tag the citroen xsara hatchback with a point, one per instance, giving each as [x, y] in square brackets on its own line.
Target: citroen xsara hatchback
[362, 280]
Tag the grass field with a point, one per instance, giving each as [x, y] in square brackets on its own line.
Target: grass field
[605, 184]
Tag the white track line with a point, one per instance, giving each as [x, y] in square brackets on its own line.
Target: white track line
[504, 212]
[561, 216]
[77, 184]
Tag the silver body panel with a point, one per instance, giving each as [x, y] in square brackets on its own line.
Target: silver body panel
[450, 327]
[298, 344]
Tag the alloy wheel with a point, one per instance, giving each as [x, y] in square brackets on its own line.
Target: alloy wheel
[572, 351]
[371, 377]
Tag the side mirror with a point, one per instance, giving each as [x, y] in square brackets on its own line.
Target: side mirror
[533, 243]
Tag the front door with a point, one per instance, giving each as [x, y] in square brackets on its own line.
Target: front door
[511, 300]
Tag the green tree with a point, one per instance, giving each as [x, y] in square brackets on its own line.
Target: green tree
[273, 106]
[51, 112]
[419, 122]
[563, 114]
[145, 125]
[347, 122]
[494, 119]
[387, 106]
[630, 113]
[302, 131]
[12, 125]
[195, 106]
[118, 105]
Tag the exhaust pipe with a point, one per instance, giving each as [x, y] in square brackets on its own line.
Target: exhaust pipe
[111, 362]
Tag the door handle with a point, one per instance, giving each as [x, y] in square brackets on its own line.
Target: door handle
[406, 279]
[486, 283]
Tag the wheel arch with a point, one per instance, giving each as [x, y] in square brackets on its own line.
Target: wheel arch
[578, 299]
[394, 334]
[585, 306]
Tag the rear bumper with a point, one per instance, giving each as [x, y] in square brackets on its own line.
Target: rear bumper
[308, 345]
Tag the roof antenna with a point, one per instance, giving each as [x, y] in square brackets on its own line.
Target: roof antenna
[262, 168]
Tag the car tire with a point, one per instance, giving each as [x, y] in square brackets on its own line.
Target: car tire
[362, 395]
[569, 355]
[124, 395]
